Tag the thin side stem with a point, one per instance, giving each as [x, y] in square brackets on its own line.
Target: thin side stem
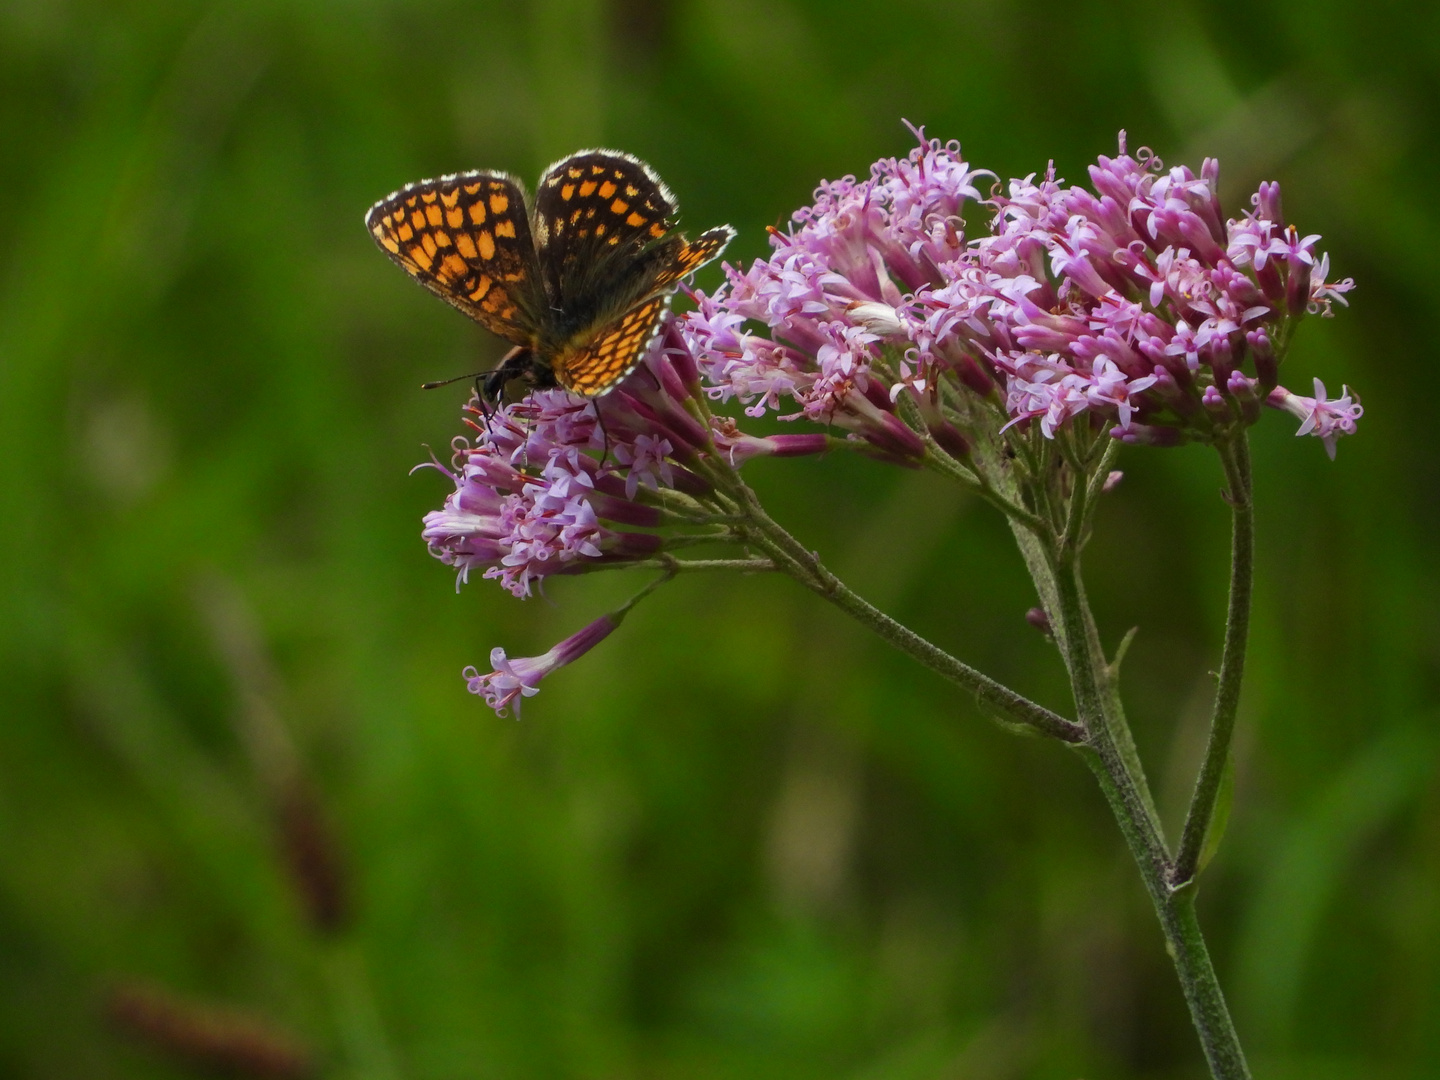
[1099, 478]
[939, 461]
[1108, 676]
[1236, 457]
[1000, 698]
[1080, 639]
[805, 567]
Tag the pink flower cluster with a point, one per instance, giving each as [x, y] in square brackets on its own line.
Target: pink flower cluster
[1138, 305]
[836, 293]
[555, 483]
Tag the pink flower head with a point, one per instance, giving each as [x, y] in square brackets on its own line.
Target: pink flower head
[835, 299]
[556, 483]
[1144, 299]
[520, 527]
[1140, 295]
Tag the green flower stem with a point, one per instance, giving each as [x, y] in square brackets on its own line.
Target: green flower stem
[1183, 939]
[1098, 479]
[939, 461]
[1108, 676]
[1102, 736]
[1087, 668]
[1080, 638]
[1126, 791]
[1236, 458]
[790, 555]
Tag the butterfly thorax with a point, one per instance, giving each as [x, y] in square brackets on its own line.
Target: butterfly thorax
[588, 297]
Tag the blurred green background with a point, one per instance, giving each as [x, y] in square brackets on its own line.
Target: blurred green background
[742, 839]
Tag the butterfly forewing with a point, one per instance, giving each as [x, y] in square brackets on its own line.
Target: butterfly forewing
[467, 239]
[594, 212]
[602, 359]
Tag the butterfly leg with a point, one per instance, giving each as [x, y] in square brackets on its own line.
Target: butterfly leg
[600, 420]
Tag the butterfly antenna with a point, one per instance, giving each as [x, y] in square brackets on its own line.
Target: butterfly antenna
[477, 376]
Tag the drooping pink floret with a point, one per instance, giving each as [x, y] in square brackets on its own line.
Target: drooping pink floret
[510, 681]
[1327, 420]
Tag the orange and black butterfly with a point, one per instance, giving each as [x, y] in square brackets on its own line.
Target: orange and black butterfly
[580, 282]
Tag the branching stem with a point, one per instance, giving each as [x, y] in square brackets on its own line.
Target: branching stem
[1059, 527]
[805, 566]
[1236, 457]
[1126, 790]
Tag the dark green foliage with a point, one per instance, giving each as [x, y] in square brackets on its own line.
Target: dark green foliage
[741, 839]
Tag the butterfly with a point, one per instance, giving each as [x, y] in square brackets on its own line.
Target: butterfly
[579, 282]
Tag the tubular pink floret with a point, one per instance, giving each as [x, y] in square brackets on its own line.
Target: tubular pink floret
[510, 681]
[1327, 420]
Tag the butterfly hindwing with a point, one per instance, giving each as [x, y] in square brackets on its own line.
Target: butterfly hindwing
[602, 358]
[467, 239]
[695, 254]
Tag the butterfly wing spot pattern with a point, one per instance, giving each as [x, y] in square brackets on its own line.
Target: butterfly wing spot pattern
[592, 197]
[466, 239]
[602, 362]
[706, 247]
[599, 243]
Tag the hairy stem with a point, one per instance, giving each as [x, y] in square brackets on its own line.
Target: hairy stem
[1127, 792]
[1236, 457]
[1183, 939]
[1101, 736]
[1108, 677]
[1087, 669]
